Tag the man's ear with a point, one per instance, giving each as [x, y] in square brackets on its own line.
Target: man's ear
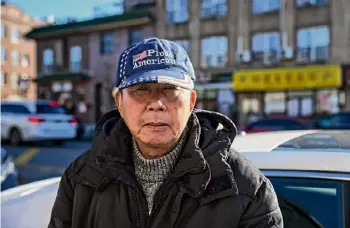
[193, 99]
[118, 101]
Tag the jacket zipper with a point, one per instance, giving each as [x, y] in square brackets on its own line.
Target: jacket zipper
[158, 196]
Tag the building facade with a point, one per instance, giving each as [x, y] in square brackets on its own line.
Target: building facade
[77, 61]
[253, 58]
[282, 42]
[18, 59]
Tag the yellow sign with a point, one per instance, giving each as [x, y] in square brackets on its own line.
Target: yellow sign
[297, 78]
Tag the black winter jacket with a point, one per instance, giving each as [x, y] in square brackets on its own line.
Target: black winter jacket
[212, 185]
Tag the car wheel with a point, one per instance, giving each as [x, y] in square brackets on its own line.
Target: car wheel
[15, 137]
[58, 142]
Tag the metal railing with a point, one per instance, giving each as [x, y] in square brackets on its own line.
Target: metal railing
[313, 54]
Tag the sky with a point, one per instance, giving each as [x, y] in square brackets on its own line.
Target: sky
[59, 8]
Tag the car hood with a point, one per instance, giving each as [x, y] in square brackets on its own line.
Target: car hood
[17, 204]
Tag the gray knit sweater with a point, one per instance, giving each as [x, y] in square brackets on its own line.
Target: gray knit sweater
[151, 173]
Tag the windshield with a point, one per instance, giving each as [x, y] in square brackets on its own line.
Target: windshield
[321, 140]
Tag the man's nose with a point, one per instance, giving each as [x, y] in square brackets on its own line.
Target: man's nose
[156, 104]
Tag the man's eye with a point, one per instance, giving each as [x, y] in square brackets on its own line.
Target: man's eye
[142, 89]
[171, 88]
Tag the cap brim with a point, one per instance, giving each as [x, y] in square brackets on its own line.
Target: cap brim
[159, 76]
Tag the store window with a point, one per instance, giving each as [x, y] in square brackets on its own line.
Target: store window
[275, 103]
[327, 102]
[177, 11]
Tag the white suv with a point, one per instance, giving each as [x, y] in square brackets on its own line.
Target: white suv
[36, 120]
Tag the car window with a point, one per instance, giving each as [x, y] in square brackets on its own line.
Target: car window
[262, 124]
[291, 125]
[50, 109]
[310, 202]
[14, 109]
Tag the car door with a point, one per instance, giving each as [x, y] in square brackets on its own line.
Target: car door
[5, 114]
[312, 202]
[13, 115]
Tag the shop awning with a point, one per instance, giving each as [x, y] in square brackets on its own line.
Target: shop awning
[62, 76]
[297, 78]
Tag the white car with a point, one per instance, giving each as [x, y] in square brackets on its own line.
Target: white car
[310, 172]
[36, 120]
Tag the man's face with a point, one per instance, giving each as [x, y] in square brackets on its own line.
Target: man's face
[156, 114]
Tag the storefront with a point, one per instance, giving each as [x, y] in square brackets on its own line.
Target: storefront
[217, 95]
[346, 87]
[304, 92]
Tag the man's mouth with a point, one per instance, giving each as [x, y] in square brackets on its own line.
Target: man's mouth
[156, 124]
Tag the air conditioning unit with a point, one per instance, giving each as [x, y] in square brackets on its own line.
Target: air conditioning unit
[243, 56]
[287, 53]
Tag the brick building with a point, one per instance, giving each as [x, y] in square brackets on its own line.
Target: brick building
[18, 59]
[283, 43]
[77, 61]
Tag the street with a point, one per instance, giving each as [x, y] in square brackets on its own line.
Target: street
[43, 160]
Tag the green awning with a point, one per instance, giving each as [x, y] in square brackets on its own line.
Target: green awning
[136, 17]
[62, 76]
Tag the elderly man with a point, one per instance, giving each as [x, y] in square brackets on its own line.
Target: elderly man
[158, 162]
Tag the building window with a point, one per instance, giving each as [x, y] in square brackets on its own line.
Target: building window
[3, 31]
[48, 60]
[106, 43]
[14, 80]
[25, 60]
[15, 57]
[3, 55]
[214, 51]
[265, 6]
[177, 11]
[214, 8]
[302, 3]
[3, 78]
[15, 35]
[184, 43]
[135, 36]
[266, 46]
[75, 58]
[313, 44]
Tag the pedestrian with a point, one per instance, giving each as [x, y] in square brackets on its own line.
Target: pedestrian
[155, 161]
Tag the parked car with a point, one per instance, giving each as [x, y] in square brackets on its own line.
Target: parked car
[337, 121]
[36, 120]
[312, 183]
[278, 124]
[9, 176]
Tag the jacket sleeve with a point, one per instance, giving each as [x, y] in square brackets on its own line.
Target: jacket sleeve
[263, 210]
[61, 215]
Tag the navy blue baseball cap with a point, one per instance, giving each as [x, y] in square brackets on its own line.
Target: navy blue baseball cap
[155, 60]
